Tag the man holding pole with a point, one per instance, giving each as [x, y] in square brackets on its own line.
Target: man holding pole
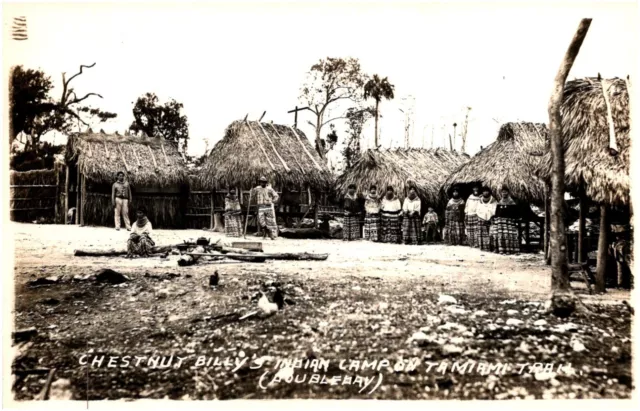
[266, 197]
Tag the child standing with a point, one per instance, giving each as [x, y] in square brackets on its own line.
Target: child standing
[430, 226]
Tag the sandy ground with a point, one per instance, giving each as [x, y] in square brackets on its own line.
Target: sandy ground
[451, 268]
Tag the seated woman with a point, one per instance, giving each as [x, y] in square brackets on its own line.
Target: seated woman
[232, 215]
[140, 242]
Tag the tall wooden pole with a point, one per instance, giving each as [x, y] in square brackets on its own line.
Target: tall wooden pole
[83, 199]
[66, 194]
[78, 196]
[545, 228]
[601, 267]
[582, 228]
[558, 240]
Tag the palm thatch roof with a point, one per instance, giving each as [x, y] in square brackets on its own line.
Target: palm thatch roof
[511, 161]
[251, 149]
[145, 160]
[426, 169]
[588, 162]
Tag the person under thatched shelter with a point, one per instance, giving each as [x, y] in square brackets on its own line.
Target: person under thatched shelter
[424, 169]
[282, 154]
[454, 219]
[154, 168]
[411, 218]
[471, 217]
[504, 234]
[232, 215]
[390, 213]
[371, 229]
[485, 210]
[266, 197]
[120, 198]
[351, 224]
[430, 226]
[140, 243]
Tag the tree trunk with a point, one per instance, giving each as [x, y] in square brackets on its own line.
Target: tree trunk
[558, 240]
[319, 148]
[376, 135]
[581, 228]
[601, 268]
[547, 216]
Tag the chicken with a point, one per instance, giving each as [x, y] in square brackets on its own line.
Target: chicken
[213, 280]
[266, 306]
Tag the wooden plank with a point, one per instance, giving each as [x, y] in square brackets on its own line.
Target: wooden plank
[288, 148]
[612, 131]
[284, 163]
[213, 217]
[261, 147]
[126, 166]
[33, 185]
[201, 192]
[31, 198]
[78, 196]
[155, 164]
[55, 217]
[305, 148]
[84, 199]
[166, 159]
[198, 215]
[30, 209]
[66, 195]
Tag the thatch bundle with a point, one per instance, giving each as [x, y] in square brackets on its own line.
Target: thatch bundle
[33, 177]
[588, 162]
[145, 160]
[426, 169]
[251, 149]
[511, 161]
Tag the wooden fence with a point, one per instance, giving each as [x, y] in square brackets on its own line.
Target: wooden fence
[35, 196]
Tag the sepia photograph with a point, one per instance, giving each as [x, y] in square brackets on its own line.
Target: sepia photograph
[318, 200]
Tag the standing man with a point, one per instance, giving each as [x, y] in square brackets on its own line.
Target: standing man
[266, 197]
[120, 198]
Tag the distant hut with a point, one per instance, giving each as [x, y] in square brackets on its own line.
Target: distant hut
[595, 120]
[153, 166]
[282, 154]
[425, 169]
[510, 161]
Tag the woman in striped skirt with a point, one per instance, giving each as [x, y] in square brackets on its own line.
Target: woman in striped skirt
[411, 218]
[232, 215]
[485, 210]
[351, 225]
[504, 230]
[390, 211]
[371, 229]
[454, 219]
[471, 217]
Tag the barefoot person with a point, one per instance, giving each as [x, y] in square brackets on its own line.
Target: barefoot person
[120, 199]
[504, 229]
[371, 229]
[232, 215]
[454, 219]
[390, 213]
[485, 210]
[140, 242]
[351, 225]
[471, 217]
[266, 197]
[411, 218]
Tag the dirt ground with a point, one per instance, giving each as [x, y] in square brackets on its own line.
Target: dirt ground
[364, 302]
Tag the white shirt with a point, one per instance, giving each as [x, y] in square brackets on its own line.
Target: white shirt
[486, 210]
[390, 205]
[411, 205]
[472, 204]
[141, 230]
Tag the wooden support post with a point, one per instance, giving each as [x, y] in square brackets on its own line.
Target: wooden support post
[316, 206]
[212, 225]
[547, 223]
[581, 228]
[78, 196]
[601, 268]
[83, 191]
[66, 195]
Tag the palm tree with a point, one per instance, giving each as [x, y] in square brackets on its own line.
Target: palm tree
[378, 89]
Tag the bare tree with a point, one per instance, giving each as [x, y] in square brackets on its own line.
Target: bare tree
[558, 244]
[465, 128]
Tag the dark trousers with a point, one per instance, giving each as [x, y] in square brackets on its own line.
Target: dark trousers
[431, 233]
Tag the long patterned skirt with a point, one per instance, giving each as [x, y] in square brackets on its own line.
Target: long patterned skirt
[351, 228]
[504, 236]
[471, 223]
[233, 225]
[454, 232]
[482, 235]
[267, 219]
[371, 229]
[411, 230]
[139, 245]
[390, 228]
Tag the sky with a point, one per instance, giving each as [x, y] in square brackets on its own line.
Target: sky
[224, 61]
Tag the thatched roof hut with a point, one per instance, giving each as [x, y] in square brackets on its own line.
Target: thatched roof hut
[251, 149]
[511, 160]
[588, 161]
[426, 169]
[145, 160]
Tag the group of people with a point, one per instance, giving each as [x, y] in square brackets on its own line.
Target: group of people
[265, 198]
[387, 220]
[481, 221]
